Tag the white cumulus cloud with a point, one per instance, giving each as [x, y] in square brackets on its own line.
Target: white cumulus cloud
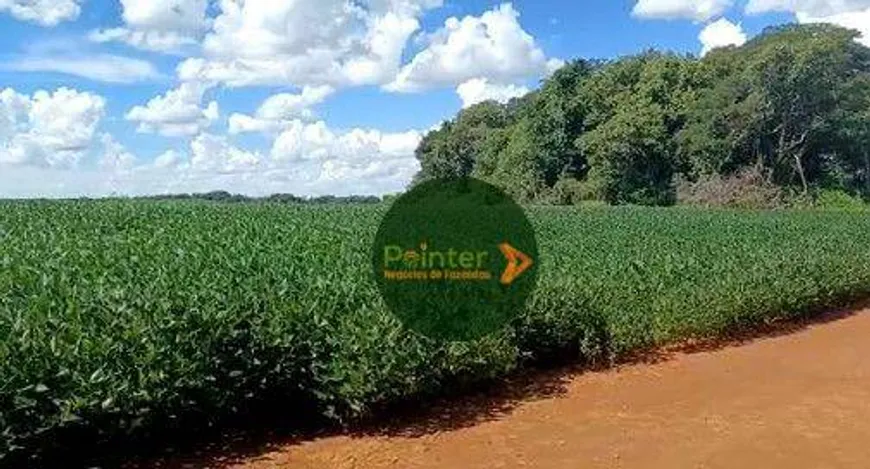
[697, 10]
[852, 14]
[384, 173]
[168, 159]
[858, 20]
[311, 159]
[115, 156]
[44, 12]
[215, 153]
[478, 90]
[49, 128]
[306, 43]
[158, 25]
[812, 8]
[492, 46]
[316, 141]
[177, 113]
[721, 33]
[279, 110]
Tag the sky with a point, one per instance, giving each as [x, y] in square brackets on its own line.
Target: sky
[310, 97]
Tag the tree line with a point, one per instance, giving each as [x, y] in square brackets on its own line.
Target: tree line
[793, 105]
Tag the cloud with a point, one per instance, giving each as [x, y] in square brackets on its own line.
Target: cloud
[48, 129]
[370, 174]
[43, 12]
[50, 147]
[113, 166]
[158, 41]
[331, 178]
[316, 141]
[811, 8]
[361, 161]
[492, 46]
[213, 153]
[159, 25]
[168, 159]
[478, 90]
[317, 161]
[115, 155]
[105, 68]
[697, 10]
[858, 20]
[852, 14]
[176, 113]
[306, 43]
[279, 110]
[721, 33]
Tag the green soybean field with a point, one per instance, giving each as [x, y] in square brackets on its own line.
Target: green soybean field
[120, 319]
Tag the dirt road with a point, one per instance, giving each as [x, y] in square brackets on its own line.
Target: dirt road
[800, 400]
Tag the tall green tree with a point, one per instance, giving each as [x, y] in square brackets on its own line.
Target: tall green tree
[778, 104]
[454, 150]
[849, 168]
[635, 108]
[792, 101]
[540, 148]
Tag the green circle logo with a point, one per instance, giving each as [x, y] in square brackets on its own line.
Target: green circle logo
[455, 259]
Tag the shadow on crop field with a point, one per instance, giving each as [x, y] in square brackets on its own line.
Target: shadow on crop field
[232, 449]
[410, 419]
[488, 402]
[502, 397]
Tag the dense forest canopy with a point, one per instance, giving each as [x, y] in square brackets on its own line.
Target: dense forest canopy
[792, 104]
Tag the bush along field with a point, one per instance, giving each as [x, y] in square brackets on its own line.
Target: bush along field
[120, 319]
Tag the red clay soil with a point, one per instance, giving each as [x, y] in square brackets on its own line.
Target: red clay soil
[800, 400]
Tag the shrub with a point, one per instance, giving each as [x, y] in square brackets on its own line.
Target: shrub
[839, 200]
[569, 191]
[749, 188]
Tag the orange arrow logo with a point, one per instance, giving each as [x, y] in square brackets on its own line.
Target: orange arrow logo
[518, 262]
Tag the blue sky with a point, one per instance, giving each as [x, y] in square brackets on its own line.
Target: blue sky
[306, 96]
